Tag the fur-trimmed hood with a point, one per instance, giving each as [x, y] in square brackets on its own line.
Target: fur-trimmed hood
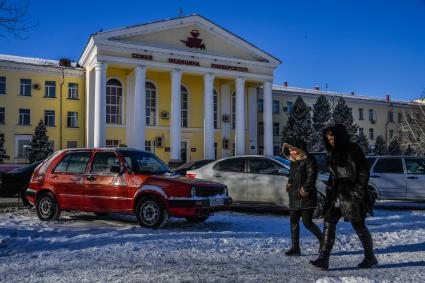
[296, 144]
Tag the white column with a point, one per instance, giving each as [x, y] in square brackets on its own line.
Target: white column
[139, 107]
[268, 118]
[175, 131]
[100, 105]
[90, 84]
[240, 117]
[209, 117]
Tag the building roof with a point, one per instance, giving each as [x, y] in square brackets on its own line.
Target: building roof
[33, 61]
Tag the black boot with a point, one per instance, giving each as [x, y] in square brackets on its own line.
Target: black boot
[322, 261]
[367, 243]
[295, 236]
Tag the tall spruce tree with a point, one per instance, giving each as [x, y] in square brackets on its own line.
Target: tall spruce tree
[40, 146]
[394, 147]
[363, 142]
[342, 114]
[380, 148]
[321, 119]
[3, 154]
[299, 123]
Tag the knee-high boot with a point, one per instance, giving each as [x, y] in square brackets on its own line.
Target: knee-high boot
[295, 236]
[322, 261]
[367, 243]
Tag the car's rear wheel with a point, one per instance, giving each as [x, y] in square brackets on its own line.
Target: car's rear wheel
[151, 213]
[196, 219]
[318, 212]
[47, 207]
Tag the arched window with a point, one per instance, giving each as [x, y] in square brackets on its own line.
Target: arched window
[233, 110]
[215, 99]
[113, 101]
[185, 107]
[150, 104]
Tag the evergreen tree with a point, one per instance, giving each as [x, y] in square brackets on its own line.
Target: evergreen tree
[3, 154]
[394, 147]
[321, 119]
[363, 142]
[380, 148]
[409, 150]
[342, 114]
[40, 146]
[299, 123]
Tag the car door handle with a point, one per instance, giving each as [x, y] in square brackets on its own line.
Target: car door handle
[375, 176]
[412, 177]
[91, 178]
[218, 176]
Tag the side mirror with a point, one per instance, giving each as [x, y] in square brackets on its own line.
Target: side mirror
[283, 171]
[117, 169]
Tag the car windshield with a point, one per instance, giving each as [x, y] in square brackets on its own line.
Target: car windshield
[141, 162]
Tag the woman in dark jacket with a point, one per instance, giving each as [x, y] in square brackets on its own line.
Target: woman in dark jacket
[346, 195]
[301, 189]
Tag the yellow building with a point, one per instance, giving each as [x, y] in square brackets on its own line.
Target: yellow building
[183, 88]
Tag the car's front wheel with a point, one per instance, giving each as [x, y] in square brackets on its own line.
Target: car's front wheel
[47, 207]
[151, 213]
[197, 219]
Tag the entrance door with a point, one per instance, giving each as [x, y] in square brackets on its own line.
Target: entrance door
[104, 190]
[415, 168]
[388, 176]
[185, 152]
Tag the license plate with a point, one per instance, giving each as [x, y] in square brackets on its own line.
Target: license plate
[216, 201]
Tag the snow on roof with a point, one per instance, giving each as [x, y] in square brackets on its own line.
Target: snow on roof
[340, 94]
[32, 61]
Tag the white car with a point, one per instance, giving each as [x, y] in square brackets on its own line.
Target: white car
[397, 177]
[253, 180]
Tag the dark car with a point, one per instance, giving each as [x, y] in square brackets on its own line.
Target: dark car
[14, 183]
[182, 169]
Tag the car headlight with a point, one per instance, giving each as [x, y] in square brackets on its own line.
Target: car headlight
[193, 191]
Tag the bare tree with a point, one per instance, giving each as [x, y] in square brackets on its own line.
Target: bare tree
[413, 126]
[14, 18]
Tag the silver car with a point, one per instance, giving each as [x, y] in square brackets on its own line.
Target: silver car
[253, 180]
[397, 177]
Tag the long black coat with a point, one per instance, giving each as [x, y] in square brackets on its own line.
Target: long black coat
[349, 176]
[302, 174]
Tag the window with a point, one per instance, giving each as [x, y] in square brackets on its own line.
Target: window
[361, 131]
[400, 117]
[24, 117]
[415, 166]
[290, 106]
[23, 143]
[371, 135]
[231, 165]
[262, 166]
[276, 106]
[233, 110]
[261, 150]
[389, 165]
[71, 144]
[2, 115]
[150, 104]
[185, 107]
[143, 162]
[73, 163]
[370, 161]
[49, 118]
[113, 101]
[50, 89]
[25, 87]
[112, 143]
[276, 129]
[72, 90]
[103, 161]
[215, 108]
[371, 116]
[261, 128]
[225, 144]
[361, 114]
[148, 146]
[390, 116]
[2, 85]
[52, 146]
[72, 120]
[260, 105]
[276, 150]
[391, 134]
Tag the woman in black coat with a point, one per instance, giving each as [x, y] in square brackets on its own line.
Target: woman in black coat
[302, 193]
[346, 194]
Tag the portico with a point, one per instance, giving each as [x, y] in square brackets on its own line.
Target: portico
[181, 80]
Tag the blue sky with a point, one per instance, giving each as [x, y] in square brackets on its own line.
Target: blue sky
[370, 47]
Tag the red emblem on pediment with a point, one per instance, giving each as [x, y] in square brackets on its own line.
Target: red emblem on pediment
[194, 41]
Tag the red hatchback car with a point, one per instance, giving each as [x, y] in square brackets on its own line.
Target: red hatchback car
[121, 180]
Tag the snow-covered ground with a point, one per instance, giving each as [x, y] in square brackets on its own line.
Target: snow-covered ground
[229, 247]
